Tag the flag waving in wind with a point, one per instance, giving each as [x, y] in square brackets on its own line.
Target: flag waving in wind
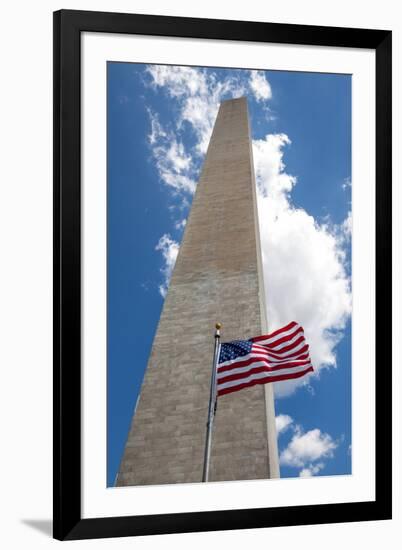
[281, 355]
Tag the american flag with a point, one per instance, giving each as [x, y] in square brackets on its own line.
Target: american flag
[281, 355]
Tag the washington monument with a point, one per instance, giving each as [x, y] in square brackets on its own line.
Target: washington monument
[217, 278]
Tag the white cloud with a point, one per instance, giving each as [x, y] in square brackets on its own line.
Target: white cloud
[198, 94]
[272, 181]
[346, 184]
[169, 249]
[200, 112]
[304, 449]
[173, 162]
[307, 448]
[283, 422]
[181, 224]
[347, 226]
[303, 262]
[157, 132]
[178, 81]
[178, 157]
[174, 165]
[260, 86]
[312, 470]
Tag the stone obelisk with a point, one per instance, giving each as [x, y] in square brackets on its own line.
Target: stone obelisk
[217, 277]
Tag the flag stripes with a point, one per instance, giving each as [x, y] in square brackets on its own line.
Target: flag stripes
[281, 355]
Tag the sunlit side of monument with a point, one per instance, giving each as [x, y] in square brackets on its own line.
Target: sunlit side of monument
[217, 277]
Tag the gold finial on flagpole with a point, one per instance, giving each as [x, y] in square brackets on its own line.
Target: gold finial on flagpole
[218, 326]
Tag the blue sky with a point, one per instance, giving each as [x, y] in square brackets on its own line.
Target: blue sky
[159, 122]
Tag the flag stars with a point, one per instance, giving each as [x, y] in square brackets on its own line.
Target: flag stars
[232, 350]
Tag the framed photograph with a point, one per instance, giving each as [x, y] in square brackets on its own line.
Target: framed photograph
[222, 275]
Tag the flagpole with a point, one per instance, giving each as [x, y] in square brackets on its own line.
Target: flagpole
[212, 404]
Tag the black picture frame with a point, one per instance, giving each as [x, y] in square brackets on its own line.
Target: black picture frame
[68, 26]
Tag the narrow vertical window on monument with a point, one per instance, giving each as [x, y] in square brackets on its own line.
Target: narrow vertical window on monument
[229, 200]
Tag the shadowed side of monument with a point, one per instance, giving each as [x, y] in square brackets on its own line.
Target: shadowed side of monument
[217, 277]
